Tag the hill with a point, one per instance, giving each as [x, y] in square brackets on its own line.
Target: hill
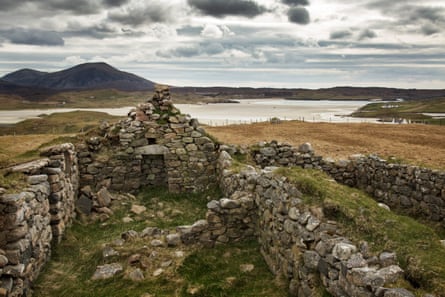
[81, 77]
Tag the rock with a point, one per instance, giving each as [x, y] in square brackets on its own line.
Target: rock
[104, 197]
[127, 220]
[37, 179]
[84, 205]
[356, 261]
[305, 148]
[311, 260]
[129, 235]
[156, 243]
[312, 223]
[166, 264]
[173, 239]
[384, 206]
[109, 252]
[343, 251]
[387, 259]
[138, 209]
[158, 272]
[199, 226]
[136, 275]
[390, 274]
[133, 259]
[246, 268]
[150, 231]
[3, 261]
[153, 149]
[294, 213]
[107, 271]
[229, 203]
[398, 293]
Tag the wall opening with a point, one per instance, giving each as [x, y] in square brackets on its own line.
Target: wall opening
[153, 171]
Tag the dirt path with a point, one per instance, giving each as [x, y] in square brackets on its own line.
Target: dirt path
[416, 144]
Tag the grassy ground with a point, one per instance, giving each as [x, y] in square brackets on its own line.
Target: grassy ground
[416, 144]
[58, 123]
[412, 110]
[81, 99]
[201, 272]
[417, 245]
[21, 142]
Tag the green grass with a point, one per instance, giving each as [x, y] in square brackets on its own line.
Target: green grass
[59, 123]
[216, 272]
[107, 98]
[412, 110]
[417, 245]
[74, 260]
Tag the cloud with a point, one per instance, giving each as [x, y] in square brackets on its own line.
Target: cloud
[367, 34]
[142, 13]
[296, 2]
[222, 8]
[429, 29]
[340, 34]
[214, 31]
[32, 37]
[113, 3]
[99, 31]
[79, 7]
[299, 15]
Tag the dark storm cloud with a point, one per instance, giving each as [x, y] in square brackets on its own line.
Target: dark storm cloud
[32, 37]
[367, 34]
[136, 16]
[98, 31]
[299, 15]
[296, 2]
[113, 3]
[429, 29]
[340, 34]
[78, 7]
[222, 8]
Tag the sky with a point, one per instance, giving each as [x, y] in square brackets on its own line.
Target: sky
[237, 43]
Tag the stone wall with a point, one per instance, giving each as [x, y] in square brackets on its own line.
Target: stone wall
[416, 191]
[297, 241]
[154, 146]
[33, 219]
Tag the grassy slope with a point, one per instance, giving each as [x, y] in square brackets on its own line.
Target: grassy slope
[417, 245]
[409, 110]
[58, 123]
[207, 271]
[78, 99]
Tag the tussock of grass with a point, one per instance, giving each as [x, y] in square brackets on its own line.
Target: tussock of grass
[417, 245]
[12, 182]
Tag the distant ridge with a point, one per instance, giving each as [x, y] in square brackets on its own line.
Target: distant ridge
[81, 77]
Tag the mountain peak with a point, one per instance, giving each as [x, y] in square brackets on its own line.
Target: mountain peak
[97, 75]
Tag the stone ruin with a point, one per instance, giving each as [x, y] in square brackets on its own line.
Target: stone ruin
[158, 146]
[154, 146]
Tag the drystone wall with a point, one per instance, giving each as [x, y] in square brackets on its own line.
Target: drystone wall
[297, 242]
[154, 146]
[33, 219]
[419, 192]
